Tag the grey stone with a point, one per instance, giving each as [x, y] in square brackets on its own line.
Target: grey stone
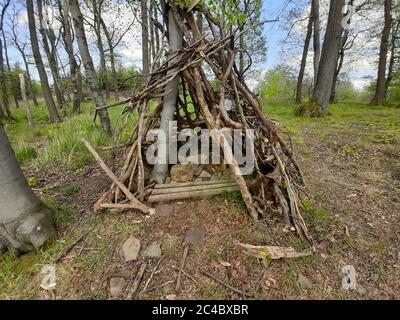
[195, 235]
[153, 251]
[131, 249]
[117, 287]
[304, 282]
[216, 176]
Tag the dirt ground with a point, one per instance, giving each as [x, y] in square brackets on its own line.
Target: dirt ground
[354, 215]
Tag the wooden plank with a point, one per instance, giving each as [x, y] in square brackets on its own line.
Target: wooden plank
[191, 184]
[192, 188]
[193, 194]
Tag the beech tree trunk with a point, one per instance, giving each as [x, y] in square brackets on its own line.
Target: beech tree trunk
[53, 114]
[299, 90]
[329, 56]
[25, 222]
[379, 97]
[160, 172]
[87, 61]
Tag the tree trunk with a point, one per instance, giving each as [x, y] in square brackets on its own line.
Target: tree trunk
[89, 67]
[69, 47]
[317, 37]
[96, 5]
[112, 59]
[379, 97]
[393, 41]
[53, 114]
[26, 102]
[145, 40]
[51, 56]
[329, 56]
[299, 90]
[12, 78]
[160, 172]
[25, 223]
[3, 82]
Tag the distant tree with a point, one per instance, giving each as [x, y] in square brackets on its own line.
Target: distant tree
[278, 84]
[87, 60]
[329, 56]
[53, 114]
[379, 97]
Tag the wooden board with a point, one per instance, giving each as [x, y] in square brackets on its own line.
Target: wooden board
[189, 190]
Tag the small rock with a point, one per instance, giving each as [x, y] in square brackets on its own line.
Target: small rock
[183, 172]
[131, 249]
[195, 235]
[304, 282]
[168, 180]
[170, 297]
[117, 287]
[153, 251]
[198, 171]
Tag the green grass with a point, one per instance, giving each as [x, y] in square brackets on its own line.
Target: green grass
[53, 144]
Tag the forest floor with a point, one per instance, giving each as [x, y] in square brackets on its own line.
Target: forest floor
[351, 162]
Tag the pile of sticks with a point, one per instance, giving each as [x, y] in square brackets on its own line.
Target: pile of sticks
[277, 181]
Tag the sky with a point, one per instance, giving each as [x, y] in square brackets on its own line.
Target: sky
[358, 67]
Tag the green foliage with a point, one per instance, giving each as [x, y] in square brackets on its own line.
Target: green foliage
[25, 154]
[69, 190]
[278, 84]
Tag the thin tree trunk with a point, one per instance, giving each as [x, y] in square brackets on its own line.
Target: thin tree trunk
[53, 114]
[51, 57]
[74, 68]
[389, 79]
[25, 223]
[160, 172]
[112, 59]
[145, 40]
[89, 67]
[3, 82]
[26, 102]
[379, 97]
[96, 5]
[299, 91]
[329, 56]
[317, 37]
[12, 78]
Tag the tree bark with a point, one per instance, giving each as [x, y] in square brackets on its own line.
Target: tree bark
[12, 78]
[26, 102]
[89, 67]
[299, 90]
[50, 51]
[69, 47]
[96, 6]
[160, 172]
[379, 97]
[25, 223]
[145, 40]
[53, 114]
[329, 56]
[112, 59]
[317, 37]
[395, 33]
[2, 68]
